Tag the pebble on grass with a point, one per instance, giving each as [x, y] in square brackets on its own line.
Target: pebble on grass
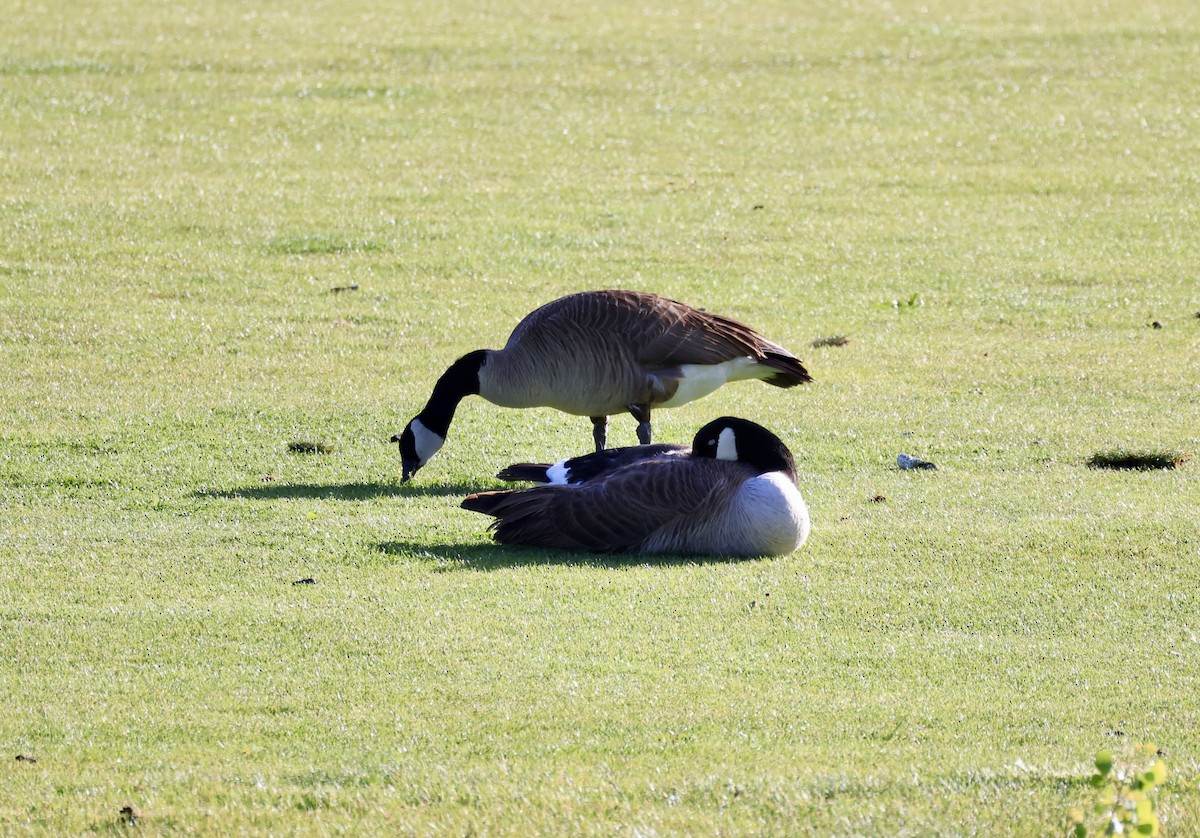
[1138, 460]
[908, 463]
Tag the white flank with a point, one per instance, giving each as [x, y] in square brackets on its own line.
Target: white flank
[727, 445]
[698, 380]
[557, 474]
[426, 441]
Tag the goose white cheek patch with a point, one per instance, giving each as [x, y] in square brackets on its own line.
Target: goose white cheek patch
[426, 441]
[727, 445]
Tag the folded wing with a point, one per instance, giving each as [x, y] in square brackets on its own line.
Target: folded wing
[617, 513]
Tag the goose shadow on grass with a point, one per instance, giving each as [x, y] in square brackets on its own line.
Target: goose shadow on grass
[337, 491]
[475, 556]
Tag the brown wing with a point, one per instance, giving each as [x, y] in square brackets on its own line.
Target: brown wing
[597, 464]
[657, 333]
[667, 333]
[692, 336]
[616, 514]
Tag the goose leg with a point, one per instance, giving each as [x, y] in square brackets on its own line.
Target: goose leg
[600, 431]
[641, 412]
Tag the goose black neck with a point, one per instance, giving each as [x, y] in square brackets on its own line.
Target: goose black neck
[459, 381]
[783, 462]
[766, 453]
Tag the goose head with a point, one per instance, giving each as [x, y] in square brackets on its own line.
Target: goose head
[425, 435]
[418, 444]
[731, 438]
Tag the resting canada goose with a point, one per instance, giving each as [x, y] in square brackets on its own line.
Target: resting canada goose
[600, 353]
[734, 494]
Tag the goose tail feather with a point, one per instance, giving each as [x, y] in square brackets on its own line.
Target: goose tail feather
[790, 371]
[530, 472]
[522, 517]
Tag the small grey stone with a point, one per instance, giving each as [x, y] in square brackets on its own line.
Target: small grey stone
[907, 462]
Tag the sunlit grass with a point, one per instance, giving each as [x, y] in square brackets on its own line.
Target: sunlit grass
[989, 206]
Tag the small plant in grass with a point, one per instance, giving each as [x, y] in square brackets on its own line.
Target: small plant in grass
[318, 245]
[1123, 803]
[913, 301]
[834, 340]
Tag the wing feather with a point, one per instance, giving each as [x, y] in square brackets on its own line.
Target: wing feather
[617, 513]
[597, 464]
[665, 332]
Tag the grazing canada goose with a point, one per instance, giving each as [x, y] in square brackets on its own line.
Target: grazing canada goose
[600, 353]
[734, 493]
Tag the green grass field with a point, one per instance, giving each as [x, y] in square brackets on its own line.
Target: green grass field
[992, 200]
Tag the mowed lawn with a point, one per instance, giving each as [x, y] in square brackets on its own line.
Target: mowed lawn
[220, 608]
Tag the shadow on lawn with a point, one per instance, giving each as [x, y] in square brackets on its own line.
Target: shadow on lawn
[497, 557]
[337, 491]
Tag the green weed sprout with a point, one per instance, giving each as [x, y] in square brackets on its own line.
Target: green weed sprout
[1123, 803]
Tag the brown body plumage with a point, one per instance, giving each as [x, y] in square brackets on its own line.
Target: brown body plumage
[599, 352]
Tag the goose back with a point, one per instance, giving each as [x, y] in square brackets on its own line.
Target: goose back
[595, 353]
[590, 466]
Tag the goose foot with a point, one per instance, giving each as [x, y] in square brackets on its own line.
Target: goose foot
[643, 432]
[641, 412]
[600, 431]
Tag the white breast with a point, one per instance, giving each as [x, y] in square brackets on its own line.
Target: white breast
[765, 517]
[773, 513]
